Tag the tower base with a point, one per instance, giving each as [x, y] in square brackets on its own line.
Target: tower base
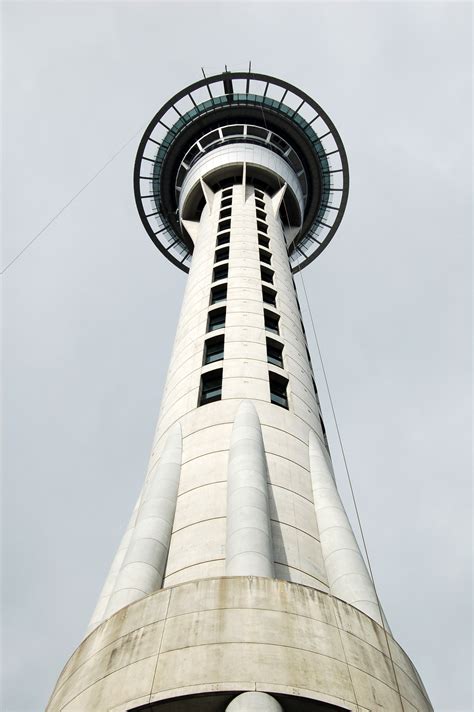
[199, 644]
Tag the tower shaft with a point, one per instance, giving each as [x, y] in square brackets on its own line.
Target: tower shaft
[239, 583]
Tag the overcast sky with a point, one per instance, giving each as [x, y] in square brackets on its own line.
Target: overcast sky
[91, 307]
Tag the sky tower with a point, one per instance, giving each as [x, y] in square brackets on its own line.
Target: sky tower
[239, 584]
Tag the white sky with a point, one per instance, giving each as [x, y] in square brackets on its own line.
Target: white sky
[91, 307]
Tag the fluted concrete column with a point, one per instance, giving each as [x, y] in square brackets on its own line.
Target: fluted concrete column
[248, 537]
[109, 585]
[254, 702]
[144, 564]
[347, 573]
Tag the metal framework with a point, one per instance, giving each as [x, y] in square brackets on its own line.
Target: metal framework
[206, 114]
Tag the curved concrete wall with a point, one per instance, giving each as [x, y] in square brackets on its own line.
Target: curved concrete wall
[198, 541]
[249, 550]
[348, 576]
[238, 487]
[144, 564]
[239, 154]
[238, 634]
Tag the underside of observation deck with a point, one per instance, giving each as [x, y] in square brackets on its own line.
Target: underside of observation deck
[241, 107]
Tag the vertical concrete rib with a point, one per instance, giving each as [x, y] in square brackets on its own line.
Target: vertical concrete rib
[254, 702]
[249, 549]
[347, 573]
[99, 613]
[144, 564]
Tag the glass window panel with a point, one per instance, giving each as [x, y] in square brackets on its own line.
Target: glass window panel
[266, 275]
[223, 238]
[269, 296]
[278, 388]
[221, 254]
[219, 293]
[211, 387]
[275, 353]
[271, 321]
[216, 319]
[220, 272]
[223, 225]
[214, 350]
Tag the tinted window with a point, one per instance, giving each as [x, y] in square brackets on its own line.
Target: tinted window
[211, 387]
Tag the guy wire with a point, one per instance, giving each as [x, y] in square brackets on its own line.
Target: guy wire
[346, 466]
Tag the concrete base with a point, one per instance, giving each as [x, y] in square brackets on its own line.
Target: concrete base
[230, 635]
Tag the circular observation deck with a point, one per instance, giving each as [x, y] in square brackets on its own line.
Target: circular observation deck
[252, 109]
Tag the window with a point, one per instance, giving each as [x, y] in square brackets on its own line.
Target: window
[223, 225]
[269, 296]
[211, 387]
[266, 274]
[222, 254]
[263, 241]
[271, 321]
[261, 226]
[261, 215]
[226, 202]
[219, 293]
[226, 192]
[225, 213]
[223, 238]
[314, 386]
[278, 386]
[220, 272]
[265, 257]
[259, 204]
[213, 349]
[275, 353]
[259, 193]
[216, 319]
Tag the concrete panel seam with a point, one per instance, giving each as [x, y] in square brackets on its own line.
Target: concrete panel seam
[198, 521]
[190, 566]
[160, 644]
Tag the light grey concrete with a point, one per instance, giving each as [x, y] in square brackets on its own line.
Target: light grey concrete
[239, 634]
[108, 587]
[254, 702]
[239, 491]
[346, 570]
[144, 564]
[248, 535]
[100, 305]
[239, 155]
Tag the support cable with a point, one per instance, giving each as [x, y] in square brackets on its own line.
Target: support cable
[349, 479]
[346, 466]
[76, 195]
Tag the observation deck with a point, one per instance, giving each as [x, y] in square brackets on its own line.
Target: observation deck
[221, 122]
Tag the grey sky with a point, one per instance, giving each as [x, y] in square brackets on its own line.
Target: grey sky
[90, 309]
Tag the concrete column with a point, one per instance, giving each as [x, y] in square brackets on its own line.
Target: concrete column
[144, 564]
[249, 549]
[99, 613]
[254, 702]
[347, 573]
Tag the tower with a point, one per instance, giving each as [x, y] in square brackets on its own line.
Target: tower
[239, 584]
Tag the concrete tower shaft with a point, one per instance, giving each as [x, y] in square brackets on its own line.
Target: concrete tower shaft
[239, 584]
